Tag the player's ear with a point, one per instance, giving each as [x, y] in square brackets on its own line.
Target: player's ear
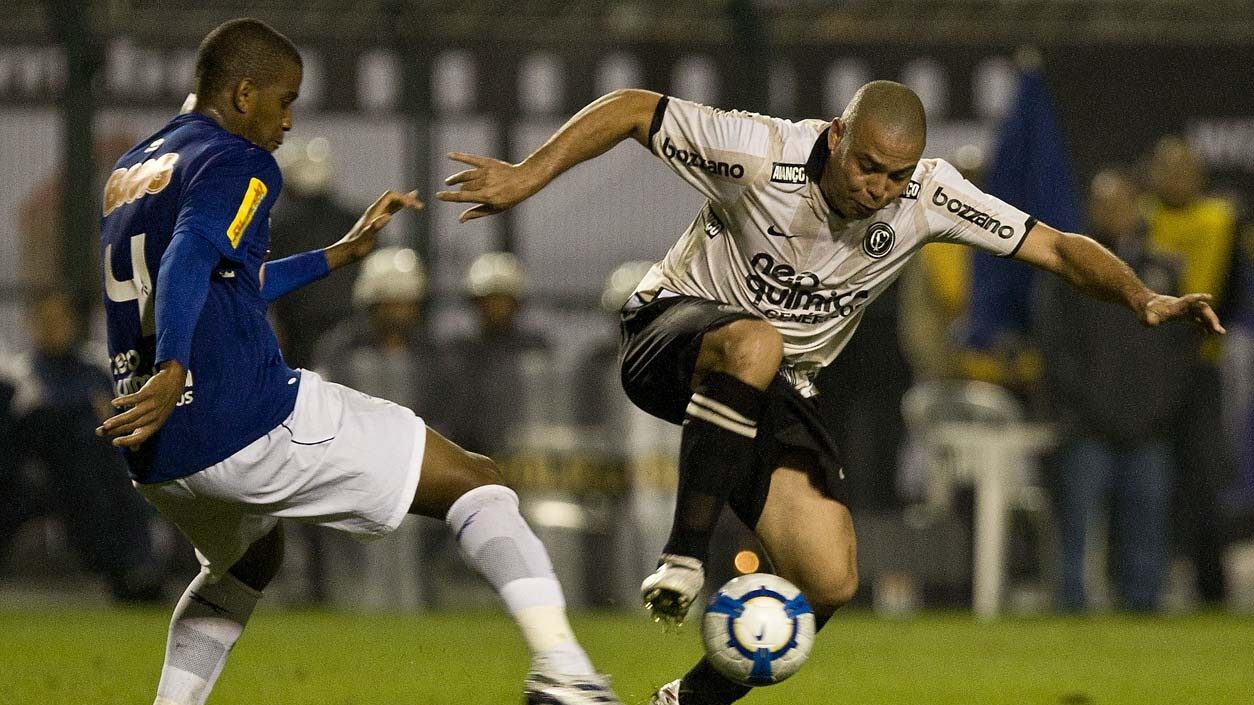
[244, 95]
[835, 134]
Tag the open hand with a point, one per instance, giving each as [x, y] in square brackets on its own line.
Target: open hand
[1196, 307]
[494, 185]
[149, 407]
[361, 238]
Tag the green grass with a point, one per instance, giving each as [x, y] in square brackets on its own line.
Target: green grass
[316, 658]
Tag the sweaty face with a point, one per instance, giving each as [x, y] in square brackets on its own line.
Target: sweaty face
[270, 115]
[868, 169]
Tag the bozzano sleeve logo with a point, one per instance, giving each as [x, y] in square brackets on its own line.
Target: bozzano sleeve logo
[247, 209]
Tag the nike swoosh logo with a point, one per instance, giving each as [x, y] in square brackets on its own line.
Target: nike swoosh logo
[469, 520]
[761, 633]
[774, 230]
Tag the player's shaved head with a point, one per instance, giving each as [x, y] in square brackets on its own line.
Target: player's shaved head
[875, 146]
[238, 49]
[892, 108]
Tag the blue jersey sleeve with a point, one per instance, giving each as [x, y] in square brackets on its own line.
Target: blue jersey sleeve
[228, 199]
[182, 285]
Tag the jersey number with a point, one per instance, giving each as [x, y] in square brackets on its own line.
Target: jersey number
[138, 288]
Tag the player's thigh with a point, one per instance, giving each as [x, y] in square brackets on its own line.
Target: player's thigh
[661, 343]
[810, 539]
[448, 472]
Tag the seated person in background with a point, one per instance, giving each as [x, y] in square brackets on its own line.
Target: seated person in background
[59, 399]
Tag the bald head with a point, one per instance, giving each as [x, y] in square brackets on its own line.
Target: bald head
[875, 146]
[891, 108]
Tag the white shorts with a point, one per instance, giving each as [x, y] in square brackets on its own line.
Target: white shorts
[342, 459]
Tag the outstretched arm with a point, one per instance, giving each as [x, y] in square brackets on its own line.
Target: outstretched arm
[496, 186]
[290, 273]
[1097, 272]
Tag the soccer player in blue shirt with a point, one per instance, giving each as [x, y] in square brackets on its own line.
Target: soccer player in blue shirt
[222, 436]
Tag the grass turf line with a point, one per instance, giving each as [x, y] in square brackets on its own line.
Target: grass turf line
[319, 658]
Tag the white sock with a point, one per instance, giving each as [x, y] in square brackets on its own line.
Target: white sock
[207, 621]
[497, 542]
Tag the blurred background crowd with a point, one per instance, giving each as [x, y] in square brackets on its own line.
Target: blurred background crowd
[1011, 444]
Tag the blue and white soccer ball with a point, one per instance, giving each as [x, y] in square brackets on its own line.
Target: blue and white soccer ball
[758, 629]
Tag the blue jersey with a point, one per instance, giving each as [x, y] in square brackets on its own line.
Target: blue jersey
[194, 178]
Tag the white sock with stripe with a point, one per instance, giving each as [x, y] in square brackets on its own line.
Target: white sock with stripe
[207, 621]
[497, 542]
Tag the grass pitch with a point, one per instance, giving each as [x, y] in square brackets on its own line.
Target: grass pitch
[318, 658]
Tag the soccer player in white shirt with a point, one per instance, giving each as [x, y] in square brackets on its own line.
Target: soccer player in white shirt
[805, 224]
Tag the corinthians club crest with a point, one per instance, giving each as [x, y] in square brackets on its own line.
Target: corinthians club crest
[879, 240]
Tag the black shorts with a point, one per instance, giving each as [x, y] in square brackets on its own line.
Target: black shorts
[660, 342]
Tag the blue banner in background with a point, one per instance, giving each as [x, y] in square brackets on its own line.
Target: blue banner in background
[1031, 170]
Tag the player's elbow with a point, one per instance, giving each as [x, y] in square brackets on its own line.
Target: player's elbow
[636, 107]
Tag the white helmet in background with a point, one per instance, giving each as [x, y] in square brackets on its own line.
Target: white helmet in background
[621, 282]
[390, 274]
[495, 273]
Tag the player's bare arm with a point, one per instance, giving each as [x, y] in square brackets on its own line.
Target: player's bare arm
[147, 409]
[496, 186]
[1097, 272]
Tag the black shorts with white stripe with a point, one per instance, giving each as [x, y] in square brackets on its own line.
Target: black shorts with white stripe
[660, 343]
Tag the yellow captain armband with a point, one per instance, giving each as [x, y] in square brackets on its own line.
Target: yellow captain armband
[253, 197]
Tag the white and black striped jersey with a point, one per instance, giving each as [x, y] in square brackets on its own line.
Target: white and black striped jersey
[768, 241]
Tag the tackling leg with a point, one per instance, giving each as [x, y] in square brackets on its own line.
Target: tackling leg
[466, 491]
[736, 363]
[818, 555]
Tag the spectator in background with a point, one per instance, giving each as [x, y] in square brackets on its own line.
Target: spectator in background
[308, 218]
[1239, 380]
[1199, 232]
[598, 366]
[504, 377]
[384, 351]
[59, 399]
[1100, 365]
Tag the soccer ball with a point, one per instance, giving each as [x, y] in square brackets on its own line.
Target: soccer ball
[758, 629]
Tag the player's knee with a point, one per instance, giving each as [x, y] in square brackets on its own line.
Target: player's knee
[262, 561]
[748, 349]
[480, 470]
[832, 589]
